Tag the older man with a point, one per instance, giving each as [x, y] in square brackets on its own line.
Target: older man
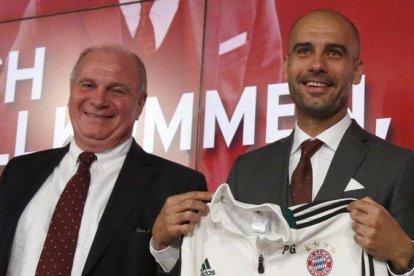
[97, 222]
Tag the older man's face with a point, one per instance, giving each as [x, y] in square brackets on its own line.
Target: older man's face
[104, 100]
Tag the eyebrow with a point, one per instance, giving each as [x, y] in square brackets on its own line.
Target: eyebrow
[85, 79]
[337, 46]
[120, 84]
[304, 44]
[328, 46]
[109, 85]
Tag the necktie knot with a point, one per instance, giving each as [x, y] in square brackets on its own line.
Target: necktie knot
[87, 158]
[309, 147]
[145, 8]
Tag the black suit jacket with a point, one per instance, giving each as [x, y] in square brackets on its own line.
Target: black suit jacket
[121, 244]
[386, 171]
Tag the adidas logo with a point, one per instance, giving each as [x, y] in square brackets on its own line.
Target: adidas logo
[206, 269]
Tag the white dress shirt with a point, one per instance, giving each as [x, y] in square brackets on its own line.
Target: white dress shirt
[321, 159]
[34, 222]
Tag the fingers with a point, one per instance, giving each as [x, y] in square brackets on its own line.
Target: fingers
[182, 218]
[189, 201]
[366, 211]
[365, 237]
[366, 215]
[377, 232]
[179, 216]
[195, 195]
[364, 205]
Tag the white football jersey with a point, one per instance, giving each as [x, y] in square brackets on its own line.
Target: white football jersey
[236, 238]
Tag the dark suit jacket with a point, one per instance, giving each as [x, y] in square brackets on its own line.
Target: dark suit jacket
[386, 171]
[121, 244]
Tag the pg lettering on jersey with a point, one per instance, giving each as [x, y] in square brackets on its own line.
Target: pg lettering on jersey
[240, 239]
[289, 249]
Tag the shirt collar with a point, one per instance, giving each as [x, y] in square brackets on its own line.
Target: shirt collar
[103, 158]
[330, 137]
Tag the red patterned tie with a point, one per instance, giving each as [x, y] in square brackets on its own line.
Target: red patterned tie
[144, 35]
[301, 184]
[62, 236]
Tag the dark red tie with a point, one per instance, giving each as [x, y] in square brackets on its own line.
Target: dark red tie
[301, 184]
[144, 36]
[62, 236]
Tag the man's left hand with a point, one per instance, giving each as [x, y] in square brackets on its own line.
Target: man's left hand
[379, 234]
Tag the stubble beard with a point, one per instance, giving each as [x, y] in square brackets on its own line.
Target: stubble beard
[317, 108]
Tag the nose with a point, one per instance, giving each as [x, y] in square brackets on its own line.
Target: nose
[99, 98]
[318, 63]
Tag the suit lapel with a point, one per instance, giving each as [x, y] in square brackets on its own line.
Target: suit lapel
[130, 186]
[37, 175]
[273, 183]
[347, 159]
[282, 181]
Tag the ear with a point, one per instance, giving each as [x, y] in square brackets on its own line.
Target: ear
[358, 71]
[285, 67]
[142, 98]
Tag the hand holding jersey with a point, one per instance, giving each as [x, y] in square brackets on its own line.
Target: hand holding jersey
[178, 217]
[372, 225]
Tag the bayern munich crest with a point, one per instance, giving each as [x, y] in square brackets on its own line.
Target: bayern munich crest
[319, 262]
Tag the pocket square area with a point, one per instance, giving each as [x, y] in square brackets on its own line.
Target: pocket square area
[353, 185]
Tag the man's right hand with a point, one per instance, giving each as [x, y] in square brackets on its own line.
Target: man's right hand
[178, 217]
